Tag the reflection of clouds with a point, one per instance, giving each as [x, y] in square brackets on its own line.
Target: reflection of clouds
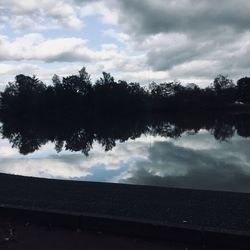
[219, 166]
[200, 141]
[46, 163]
[42, 167]
[192, 161]
[6, 150]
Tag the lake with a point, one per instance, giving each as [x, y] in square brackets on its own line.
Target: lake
[192, 151]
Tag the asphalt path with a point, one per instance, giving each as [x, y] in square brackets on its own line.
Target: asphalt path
[165, 213]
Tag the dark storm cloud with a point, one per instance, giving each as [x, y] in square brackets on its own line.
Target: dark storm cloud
[165, 59]
[212, 29]
[72, 56]
[188, 16]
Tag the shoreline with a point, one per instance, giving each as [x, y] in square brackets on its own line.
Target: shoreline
[183, 215]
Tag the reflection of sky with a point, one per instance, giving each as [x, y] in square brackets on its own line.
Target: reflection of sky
[192, 161]
[68, 165]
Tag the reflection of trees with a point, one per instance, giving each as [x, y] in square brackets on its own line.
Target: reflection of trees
[79, 135]
[24, 138]
[223, 131]
[167, 130]
[76, 135]
[243, 126]
[80, 140]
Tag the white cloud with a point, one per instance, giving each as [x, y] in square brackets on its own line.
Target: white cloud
[9, 69]
[119, 36]
[35, 47]
[100, 8]
[22, 14]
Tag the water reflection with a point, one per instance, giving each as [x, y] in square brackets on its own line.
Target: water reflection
[202, 152]
[79, 135]
[220, 166]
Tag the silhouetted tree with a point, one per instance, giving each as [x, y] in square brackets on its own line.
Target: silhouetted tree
[79, 84]
[243, 94]
[222, 82]
[25, 95]
[225, 89]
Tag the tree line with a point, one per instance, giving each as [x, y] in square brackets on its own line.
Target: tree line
[78, 95]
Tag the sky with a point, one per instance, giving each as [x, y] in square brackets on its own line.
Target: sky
[134, 40]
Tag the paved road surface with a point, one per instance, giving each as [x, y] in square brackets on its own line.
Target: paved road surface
[198, 216]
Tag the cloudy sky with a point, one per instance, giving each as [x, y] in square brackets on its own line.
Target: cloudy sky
[161, 40]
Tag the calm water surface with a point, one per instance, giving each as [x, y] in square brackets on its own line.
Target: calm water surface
[214, 156]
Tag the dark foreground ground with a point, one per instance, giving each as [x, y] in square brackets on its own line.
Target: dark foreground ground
[58, 214]
[16, 235]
